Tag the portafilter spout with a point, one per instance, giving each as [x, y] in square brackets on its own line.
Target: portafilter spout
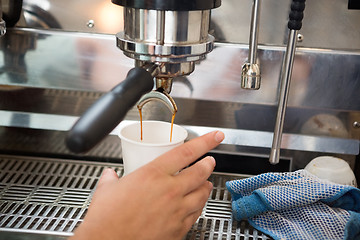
[158, 95]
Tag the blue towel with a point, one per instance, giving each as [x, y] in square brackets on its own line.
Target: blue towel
[297, 205]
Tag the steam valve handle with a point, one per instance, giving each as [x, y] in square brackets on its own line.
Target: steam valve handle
[108, 111]
[296, 14]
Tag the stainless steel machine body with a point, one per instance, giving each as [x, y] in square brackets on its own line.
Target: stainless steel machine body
[61, 57]
[175, 38]
[188, 30]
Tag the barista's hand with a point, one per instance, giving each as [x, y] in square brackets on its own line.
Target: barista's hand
[153, 202]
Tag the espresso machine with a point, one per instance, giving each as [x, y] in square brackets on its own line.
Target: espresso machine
[72, 72]
[165, 38]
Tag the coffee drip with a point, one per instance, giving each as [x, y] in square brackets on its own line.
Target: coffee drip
[141, 125]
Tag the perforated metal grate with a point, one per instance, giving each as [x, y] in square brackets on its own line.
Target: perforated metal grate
[52, 196]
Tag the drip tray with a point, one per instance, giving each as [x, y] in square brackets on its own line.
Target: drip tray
[42, 198]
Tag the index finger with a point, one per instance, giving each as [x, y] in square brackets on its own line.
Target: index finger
[180, 157]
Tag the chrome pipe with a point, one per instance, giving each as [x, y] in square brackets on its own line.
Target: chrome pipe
[283, 96]
[250, 73]
[254, 31]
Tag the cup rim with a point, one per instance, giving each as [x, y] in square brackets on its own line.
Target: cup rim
[122, 137]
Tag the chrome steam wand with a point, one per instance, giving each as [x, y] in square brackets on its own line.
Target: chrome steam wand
[295, 17]
[250, 72]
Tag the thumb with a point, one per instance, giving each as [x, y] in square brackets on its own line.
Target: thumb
[108, 176]
[107, 179]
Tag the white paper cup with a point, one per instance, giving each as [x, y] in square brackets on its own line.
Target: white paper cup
[156, 141]
[333, 169]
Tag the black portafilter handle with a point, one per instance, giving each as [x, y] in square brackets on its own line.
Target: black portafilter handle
[296, 14]
[12, 16]
[108, 111]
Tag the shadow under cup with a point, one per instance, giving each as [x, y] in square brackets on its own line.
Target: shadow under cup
[156, 141]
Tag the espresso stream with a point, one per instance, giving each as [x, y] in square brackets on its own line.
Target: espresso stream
[141, 125]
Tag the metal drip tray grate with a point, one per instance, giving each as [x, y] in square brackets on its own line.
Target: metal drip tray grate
[51, 196]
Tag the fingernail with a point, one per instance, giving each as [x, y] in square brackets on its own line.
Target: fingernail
[219, 136]
[213, 160]
[211, 186]
[107, 171]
